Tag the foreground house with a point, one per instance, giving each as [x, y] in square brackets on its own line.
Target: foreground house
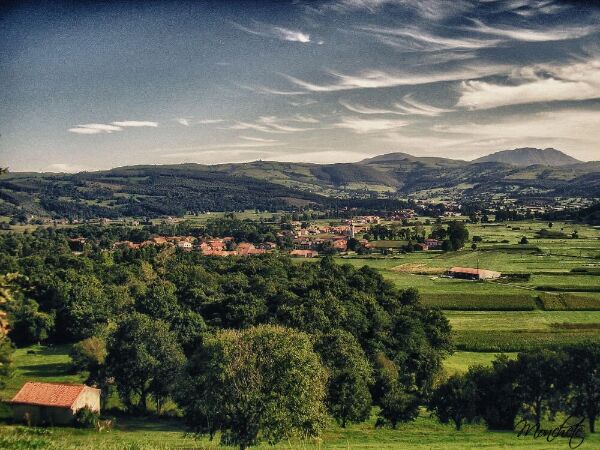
[469, 273]
[53, 403]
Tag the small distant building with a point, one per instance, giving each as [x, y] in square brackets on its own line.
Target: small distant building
[469, 273]
[159, 240]
[304, 253]
[340, 244]
[433, 244]
[267, 246]
[185, 245]
[53, 403]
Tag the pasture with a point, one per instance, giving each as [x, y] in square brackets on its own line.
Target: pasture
[558, 304]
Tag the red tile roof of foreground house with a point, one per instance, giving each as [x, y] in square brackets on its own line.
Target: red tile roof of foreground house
[48, 394]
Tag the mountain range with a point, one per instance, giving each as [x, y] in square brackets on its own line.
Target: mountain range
[175, 189]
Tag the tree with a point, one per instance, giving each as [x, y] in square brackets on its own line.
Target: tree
[496, 400]
[398, 406]
[582, 373]
[353, 244]
[89, 355]
[524, 241]
[538, 382]
[145, 359]
[160, 301]
[454, 400]
[6, 352]
[348, 397]
[6, 347]
[29, 325]
[457, 234]
[264, 381]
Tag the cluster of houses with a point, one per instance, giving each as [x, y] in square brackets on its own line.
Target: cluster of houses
[211, 247]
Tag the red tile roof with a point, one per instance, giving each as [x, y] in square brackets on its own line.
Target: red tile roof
[48, 394]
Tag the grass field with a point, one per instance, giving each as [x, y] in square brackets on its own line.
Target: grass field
[424, 433]
[145, 433]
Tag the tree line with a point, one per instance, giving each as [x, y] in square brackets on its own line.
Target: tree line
[537, 384]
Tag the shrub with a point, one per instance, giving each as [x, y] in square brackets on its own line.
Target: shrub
[86, 418]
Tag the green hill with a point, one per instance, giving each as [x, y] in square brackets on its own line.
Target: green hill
[269, 185]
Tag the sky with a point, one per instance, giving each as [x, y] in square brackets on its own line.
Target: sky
[94, 85]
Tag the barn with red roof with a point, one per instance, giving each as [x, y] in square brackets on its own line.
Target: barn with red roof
[53, 403]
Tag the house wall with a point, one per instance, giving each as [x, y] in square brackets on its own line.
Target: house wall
[40, 415]
[89, 397]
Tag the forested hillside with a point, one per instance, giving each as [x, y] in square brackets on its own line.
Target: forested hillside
[267, 185]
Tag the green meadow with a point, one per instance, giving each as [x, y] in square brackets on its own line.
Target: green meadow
[145, 433]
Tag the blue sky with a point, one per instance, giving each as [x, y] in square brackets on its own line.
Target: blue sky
[107, 84]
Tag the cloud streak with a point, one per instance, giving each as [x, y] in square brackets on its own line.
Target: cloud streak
[373, 79]
[136, 123]
[417, 39]
[365, 126]
[531, 35]
[543, 83]
[275, 125]
[274, 31]
[100, 128]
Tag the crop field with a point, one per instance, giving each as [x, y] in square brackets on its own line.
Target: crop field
[557, 305]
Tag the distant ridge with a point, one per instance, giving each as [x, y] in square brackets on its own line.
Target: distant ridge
[529, 156]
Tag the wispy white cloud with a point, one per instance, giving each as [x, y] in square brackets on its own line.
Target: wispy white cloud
[209, 121]
[418, 39]
[414, 107]
[372, 79]
[409, 106]
[570, 129]
[238, 147]
[266, 90]
[301, 118]
[364, 126]
[429, 9]
[258, 139]
[361, 109]
[529, 8]
[136, 123]
[275, 125]
[542, 83]
[532, 35]
[94, 128]
[98, 128]
[303, 102]
[273, 31]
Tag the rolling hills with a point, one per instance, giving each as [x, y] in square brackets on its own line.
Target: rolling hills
[269, 185]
